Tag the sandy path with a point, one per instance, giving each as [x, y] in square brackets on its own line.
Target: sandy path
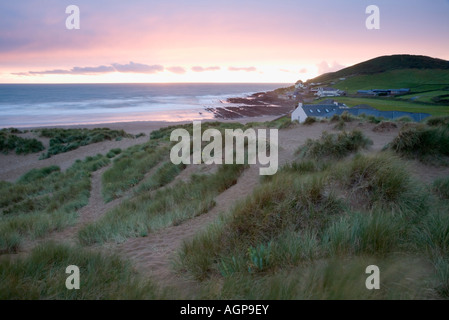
[152, 255]
[94, 210]
[89, 213]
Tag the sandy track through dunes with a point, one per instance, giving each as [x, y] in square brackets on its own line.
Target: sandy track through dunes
[93, 211]
[152, 254]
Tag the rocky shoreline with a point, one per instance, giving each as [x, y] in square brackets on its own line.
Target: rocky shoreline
[258, 104]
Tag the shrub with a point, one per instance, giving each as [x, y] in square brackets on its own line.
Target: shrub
[113, 152]
[310, 120]
[437, 121]
[429, 144]
[346, 117]
[280, 123]
[334, 146]
[335, 118]
[405, 119]
[340, 125]
[9, 141]
[381, 181]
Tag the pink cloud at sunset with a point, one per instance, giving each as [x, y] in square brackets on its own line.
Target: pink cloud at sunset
[246, 41]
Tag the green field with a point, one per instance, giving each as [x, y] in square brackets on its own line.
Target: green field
[389, 104]
[416, 80]
[424, 96]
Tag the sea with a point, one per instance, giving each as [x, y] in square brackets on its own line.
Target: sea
[35, 105]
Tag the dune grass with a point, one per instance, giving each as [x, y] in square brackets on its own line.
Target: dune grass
[333, 145]
[310, 230]
[428, 144]
[163, 175]
[130, 167]
[42, 275]
[64, 140]
[441, 187]
[307, 232]
[333, 279]
[9, 141]
[145, 212]
[44, 200]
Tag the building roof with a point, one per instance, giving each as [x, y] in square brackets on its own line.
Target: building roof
[318, 110]
[328, 110]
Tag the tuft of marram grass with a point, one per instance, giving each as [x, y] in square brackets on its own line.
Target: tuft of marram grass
[334, 146]
[10, 141]
[130, 167]
[380, 180]
[427, 144]
[42, 275]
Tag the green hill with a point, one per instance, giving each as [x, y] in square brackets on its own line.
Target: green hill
[427, 78]
[384, 64]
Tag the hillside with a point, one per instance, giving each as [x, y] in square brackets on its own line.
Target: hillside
[427, 78]
[383, 64]
[418, 80]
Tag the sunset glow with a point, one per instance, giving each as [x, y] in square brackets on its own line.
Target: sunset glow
[209, 41]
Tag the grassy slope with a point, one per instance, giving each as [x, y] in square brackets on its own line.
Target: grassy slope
[424, 96]
[388, 104]
[44, 200]
[416, 80]
[384, 64]
[310, 231]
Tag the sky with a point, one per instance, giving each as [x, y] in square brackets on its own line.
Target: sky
[209, 41]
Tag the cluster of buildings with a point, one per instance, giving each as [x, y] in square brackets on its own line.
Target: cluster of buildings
[329, 108]
[315, 89]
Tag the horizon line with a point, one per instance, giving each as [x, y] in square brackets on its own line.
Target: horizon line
[211, 82]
